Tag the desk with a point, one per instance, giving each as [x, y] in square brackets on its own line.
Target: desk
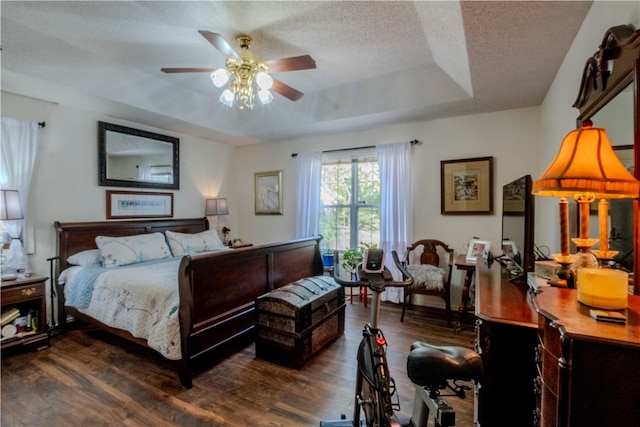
[507, 337]
[469, 268]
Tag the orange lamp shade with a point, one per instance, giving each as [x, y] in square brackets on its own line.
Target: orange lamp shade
[587, 163]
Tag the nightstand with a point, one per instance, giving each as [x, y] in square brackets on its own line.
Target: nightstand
[28, 296]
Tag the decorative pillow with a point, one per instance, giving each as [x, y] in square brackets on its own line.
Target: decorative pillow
[84, 258]
[189, 244]
[132, 249]
[427, 276]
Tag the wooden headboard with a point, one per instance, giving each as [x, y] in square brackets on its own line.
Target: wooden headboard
[73, 237]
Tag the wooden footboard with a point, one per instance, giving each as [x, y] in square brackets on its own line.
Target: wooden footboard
[217, 291]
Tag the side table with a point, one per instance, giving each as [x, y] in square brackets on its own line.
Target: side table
[469, 268]
[28, 296]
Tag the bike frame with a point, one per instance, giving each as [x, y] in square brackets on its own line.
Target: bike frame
[373, 370]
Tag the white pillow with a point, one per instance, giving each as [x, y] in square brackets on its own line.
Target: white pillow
[189, 244]
[84, 258]
[132, 249]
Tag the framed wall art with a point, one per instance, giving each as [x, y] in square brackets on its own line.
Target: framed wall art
[139, 204]
[466, 186]
[514, 197]
[268, 193]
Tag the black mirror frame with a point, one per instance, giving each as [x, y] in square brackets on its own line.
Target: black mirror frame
[103, 127]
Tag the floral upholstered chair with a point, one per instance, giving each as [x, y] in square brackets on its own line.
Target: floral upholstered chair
[429, 262]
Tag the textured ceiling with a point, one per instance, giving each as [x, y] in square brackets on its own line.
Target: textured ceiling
[377, 62]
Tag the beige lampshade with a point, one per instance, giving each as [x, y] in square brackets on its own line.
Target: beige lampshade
[587, 163]
[216, 206]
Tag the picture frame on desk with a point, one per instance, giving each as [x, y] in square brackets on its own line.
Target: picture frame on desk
[509, 248]
[478, 249]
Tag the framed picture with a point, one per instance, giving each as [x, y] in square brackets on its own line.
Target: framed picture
[478, 249]
[509, 248]
[514, 198]
[139, 204]
[466, 186]
[268, 193]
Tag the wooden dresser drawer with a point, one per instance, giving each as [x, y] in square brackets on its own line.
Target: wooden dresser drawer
[551, 338]
[549, 407]
[550, 371]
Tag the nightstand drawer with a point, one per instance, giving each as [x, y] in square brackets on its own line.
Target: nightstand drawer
[22, 293]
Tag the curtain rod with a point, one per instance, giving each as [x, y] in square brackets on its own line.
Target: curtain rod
[42, 124]
[412, 142]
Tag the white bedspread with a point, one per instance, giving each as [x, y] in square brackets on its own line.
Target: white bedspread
[141, 299]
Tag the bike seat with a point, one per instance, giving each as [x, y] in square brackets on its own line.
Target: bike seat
[428, 364]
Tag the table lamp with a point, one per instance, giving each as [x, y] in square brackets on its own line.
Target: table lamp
[216, 207]
[586, 168]
[10, 210]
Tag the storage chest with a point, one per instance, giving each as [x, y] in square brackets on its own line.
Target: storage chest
[298, 320]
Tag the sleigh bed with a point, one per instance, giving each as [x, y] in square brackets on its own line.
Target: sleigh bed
[211, 300]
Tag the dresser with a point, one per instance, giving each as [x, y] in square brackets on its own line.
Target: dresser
[588, 371]
[548, 363]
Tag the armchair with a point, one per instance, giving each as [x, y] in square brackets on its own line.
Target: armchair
[430, 263]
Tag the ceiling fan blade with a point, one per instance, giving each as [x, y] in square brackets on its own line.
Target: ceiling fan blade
[303, 62]
[188, 70]
[286, 90]
[219, 43]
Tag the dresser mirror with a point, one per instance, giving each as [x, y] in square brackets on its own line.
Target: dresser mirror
[130, 157]
[609, 97]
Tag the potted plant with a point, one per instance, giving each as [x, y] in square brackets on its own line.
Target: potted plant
[327, 258]
[351, 259]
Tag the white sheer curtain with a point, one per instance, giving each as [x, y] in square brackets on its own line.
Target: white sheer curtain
[308, 194]
[396, 213]
[144, 173]
[18, 149]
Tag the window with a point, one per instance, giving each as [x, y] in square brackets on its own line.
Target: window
[350, 193]
[162, 173]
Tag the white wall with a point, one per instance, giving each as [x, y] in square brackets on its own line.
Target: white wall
[511, 137]
[558, 117]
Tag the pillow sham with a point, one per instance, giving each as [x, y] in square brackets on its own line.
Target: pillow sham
[127, 250]
[84, 258]
[189, 244]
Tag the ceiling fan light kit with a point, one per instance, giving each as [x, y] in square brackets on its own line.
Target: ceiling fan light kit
[246, 74]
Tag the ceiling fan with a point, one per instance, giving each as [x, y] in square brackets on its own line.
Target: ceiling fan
[244, 70]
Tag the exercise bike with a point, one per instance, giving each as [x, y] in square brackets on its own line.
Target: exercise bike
[375, 394]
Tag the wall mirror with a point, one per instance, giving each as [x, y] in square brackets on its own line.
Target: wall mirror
[609, 96]
[130, 157]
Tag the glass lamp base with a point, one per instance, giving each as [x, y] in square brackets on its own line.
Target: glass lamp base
[586, 258]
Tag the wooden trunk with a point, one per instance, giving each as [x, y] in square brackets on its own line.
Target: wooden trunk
[298, 320]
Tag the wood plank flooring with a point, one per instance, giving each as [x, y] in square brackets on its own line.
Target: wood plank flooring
[90, 378]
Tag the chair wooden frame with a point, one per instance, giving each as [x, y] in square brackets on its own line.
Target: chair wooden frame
[429, 255]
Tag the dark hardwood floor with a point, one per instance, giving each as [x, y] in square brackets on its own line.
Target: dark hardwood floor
[90, 378]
